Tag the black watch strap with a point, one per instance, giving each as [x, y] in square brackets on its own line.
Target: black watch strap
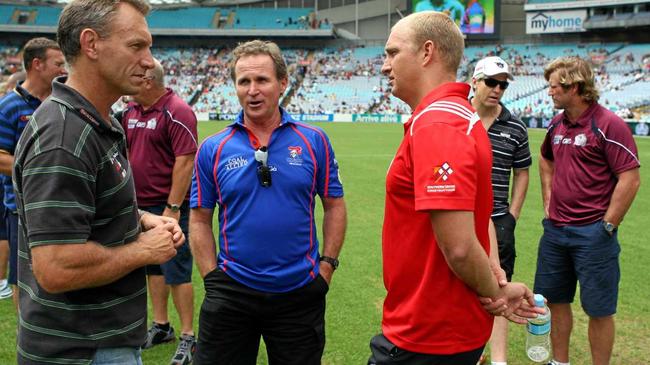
[330, 260]
[173, 207]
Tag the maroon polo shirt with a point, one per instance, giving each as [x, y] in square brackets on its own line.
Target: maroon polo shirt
[587, 156]
[155, 137]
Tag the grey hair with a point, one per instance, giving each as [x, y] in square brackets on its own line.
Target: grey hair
[89, 14]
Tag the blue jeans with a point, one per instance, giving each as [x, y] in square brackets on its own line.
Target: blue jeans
[118, 356]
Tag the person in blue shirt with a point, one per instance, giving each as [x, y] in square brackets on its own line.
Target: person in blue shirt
[43, 61]
[264, 172]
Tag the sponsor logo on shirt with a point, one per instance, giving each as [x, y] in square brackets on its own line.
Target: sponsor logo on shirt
[557, 138]
[236, 162]
[295, 155]
[580, 140]
[132, 123]
[566, 141]
[150, 124]
[441, 175]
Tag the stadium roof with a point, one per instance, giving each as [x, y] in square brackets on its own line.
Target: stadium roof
[157, 2]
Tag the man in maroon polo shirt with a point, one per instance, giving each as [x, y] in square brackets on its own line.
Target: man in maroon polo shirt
[161, 134]
[589, 169]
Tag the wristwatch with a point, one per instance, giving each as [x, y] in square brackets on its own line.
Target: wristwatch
[609, 227]
[330, 260]
[175, 208]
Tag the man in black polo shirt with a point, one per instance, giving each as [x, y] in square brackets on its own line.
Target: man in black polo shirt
[510, 152]
[82, 250]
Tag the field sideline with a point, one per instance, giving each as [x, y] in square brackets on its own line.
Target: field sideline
[364, 152]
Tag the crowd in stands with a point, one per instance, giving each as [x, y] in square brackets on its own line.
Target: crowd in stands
[349, 80]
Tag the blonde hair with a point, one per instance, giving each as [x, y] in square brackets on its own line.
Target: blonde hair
[574, 71]
[440, 29]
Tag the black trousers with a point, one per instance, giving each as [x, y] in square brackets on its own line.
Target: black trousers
[385, 352]
[234, 317]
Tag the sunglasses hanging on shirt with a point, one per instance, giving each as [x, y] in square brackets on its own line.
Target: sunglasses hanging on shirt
[263, 170]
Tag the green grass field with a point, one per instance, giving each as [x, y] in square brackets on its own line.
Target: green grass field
[355, 298]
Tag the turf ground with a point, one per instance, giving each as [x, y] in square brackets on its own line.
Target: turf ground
[355, 298]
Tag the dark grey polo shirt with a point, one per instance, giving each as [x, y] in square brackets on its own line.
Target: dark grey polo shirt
[73, 184]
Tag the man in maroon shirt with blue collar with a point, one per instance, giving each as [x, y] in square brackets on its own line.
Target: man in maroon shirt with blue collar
[161, 135]
[589, 169]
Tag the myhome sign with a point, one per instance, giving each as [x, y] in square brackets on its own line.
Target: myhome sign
[555, 21]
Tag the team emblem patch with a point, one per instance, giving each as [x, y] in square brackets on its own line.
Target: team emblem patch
[295, 155]
[117, 165]
[580, 140]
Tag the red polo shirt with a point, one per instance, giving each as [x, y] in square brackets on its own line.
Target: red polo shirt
[587, 157]
[155, 137]
[443, 163]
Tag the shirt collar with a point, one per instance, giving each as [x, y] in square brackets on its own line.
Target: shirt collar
[159, 105]
[25, 95]
[71, 99]
[284, 118]
[505, 114]
[449, 89]
[584, 118]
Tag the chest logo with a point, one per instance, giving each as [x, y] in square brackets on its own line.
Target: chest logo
[151, 123]
[580, 140]
[557, 138]
[566, 141]
[295, 155]
[236, 162]
[117, 165]
[25, 118]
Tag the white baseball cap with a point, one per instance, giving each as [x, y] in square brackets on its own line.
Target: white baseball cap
[490, 66]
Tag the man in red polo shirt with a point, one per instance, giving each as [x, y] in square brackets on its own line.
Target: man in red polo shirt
[438, 204]
[161, 134]
[589, 168]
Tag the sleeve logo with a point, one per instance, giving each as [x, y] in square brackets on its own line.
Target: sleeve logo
[441, 174]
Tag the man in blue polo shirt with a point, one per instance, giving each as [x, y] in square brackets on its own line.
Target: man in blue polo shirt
[43, 62]
[264, 172]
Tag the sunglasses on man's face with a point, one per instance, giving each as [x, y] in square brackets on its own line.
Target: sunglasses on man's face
[492, 83]
[263, 169]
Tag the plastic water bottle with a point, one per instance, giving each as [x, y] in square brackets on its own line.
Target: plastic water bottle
[538, 340]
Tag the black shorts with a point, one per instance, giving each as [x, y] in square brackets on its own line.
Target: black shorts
[505, 227]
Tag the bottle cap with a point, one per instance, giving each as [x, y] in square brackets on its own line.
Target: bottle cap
[539, 300]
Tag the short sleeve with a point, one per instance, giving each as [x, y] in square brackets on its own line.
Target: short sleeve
[203, 193]
[7, 133]
[58, 191]
[547, 149]
[620, 149]
[522, 158]
[329, 181]
[444, 172]
[182, 131]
